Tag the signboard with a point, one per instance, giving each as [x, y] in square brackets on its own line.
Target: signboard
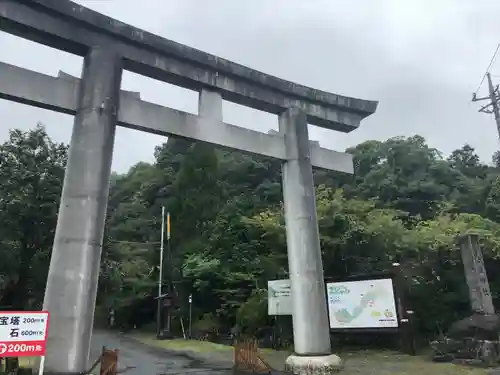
[23, 333]
[362, 304]
[279, 301]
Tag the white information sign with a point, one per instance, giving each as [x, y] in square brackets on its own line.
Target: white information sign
[279, 300]
[23, 333]
[362, 304]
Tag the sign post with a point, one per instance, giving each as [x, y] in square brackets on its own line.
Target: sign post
[279, 300]
[362, 304]
[24, 334]
[190, 314]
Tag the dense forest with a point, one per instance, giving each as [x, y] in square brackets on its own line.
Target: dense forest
[406, 203]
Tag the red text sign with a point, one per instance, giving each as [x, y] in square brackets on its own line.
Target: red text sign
[23, 333]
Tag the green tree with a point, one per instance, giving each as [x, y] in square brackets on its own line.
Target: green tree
[31, 175]
[406, 203]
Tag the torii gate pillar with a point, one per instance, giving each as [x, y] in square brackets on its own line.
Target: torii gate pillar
[311, 333]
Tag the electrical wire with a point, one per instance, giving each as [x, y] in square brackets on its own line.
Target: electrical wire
[134, 243]
[490, 65]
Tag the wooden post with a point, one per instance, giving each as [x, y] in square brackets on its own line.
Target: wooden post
[405, 316]
[109, 362]
[247, 358]
[11, 365]
[475, 274]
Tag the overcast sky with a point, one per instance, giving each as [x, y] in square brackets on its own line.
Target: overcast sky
[421, 59]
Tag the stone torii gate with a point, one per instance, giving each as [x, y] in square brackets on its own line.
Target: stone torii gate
[109, 46]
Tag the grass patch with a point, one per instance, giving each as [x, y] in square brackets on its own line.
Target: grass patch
[24, 362]
[183, 345]
[359, 362]
[387, 362]
[28, 362]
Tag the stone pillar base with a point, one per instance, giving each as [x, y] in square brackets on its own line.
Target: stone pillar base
[313, 365]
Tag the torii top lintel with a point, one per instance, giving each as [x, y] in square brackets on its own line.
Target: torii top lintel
[70, 27]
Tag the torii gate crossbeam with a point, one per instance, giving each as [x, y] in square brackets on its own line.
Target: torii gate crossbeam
[109, 46]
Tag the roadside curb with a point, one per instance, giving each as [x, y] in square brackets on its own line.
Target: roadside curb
[189, 354]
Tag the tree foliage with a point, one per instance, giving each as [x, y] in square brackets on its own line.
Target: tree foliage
[406, 203]
[31, 175]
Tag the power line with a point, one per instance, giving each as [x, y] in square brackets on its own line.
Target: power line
[488, 69]
[135, 243]
[493, 59]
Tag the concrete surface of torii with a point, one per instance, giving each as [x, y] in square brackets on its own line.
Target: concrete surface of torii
[98, 104]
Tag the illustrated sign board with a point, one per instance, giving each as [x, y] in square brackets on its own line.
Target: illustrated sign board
[279, 301]
[23, 333]
[362, 304]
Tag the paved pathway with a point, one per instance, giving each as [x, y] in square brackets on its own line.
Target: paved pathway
[135, 358]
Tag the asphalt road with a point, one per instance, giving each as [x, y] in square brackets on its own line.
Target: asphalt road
[135, 358]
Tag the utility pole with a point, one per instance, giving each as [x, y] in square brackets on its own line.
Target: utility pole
[160, 277]
[493, 101]
[170, 281]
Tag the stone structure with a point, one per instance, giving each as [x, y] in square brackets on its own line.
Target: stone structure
[475, 338]
[109, 46]
[475, 275]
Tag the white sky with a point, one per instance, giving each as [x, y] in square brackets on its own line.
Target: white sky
[421, 59]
